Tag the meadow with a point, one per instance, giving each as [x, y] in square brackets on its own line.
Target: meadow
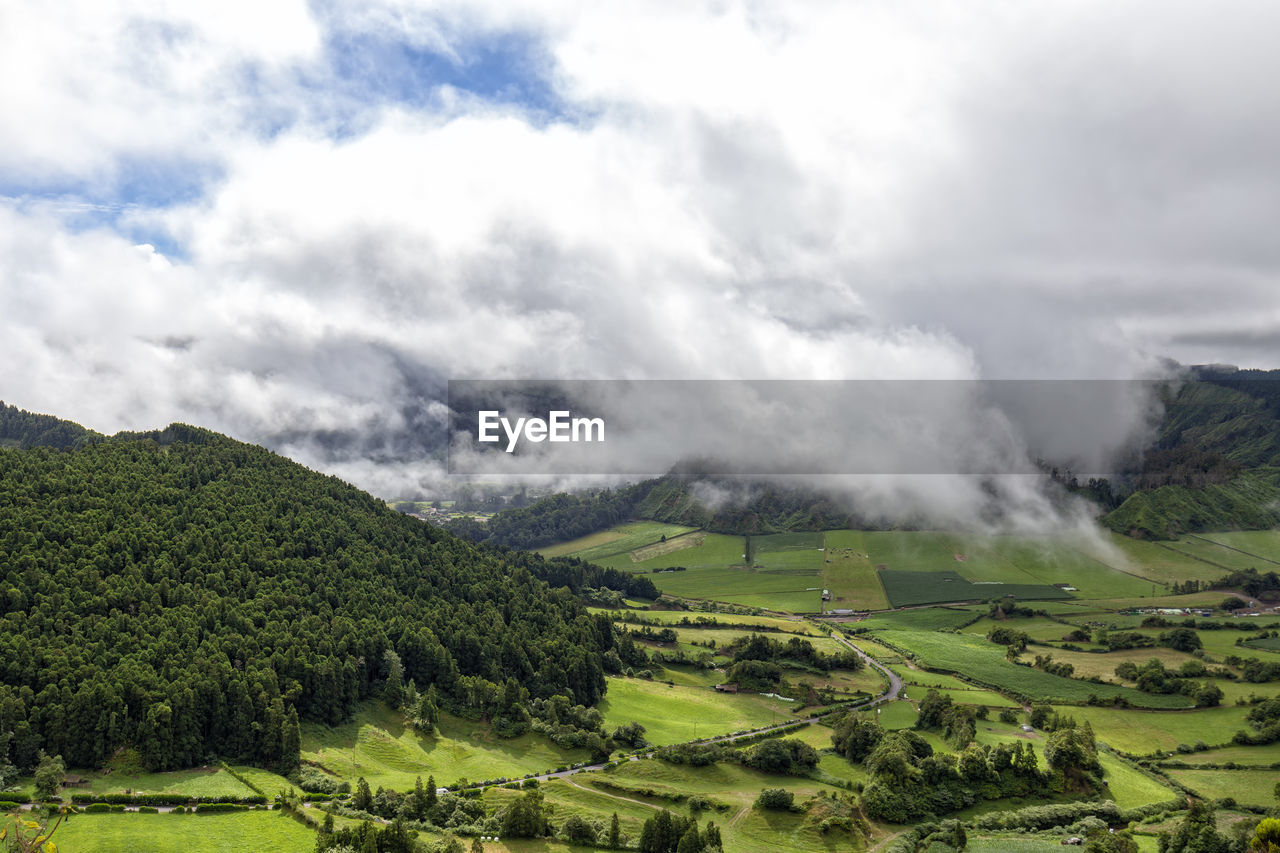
[237, 832]
[676, 714]
[911, 588]
[616, 540]
[1247, 787]
[378, 746]
[984, 662]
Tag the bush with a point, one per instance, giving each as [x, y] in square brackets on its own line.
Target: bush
[776, 798]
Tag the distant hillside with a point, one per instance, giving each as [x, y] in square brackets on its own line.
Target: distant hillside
[22, 429]
[669, 499]
[193, 597]
[1215, 464]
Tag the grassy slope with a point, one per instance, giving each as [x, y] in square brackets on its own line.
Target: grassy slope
[676, 714]
[377, 746]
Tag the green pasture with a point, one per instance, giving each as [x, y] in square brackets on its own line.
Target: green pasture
[377, 745]
[1129, 786]
[910, 588]
[235, 832]
[200, 782]
[1257, 756]
[1248, 787]
[1263, 544]
[704, 550]
[1054, 561]
[1141, 732]
[676, 714]
[849, 574]
[984, 662]
[921, 619]
[616, 540]
[1157, 561]
[698, 619]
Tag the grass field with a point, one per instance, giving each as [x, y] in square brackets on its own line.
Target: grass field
[709, 550]
[982, 661]
[921, 619]
[378, 746]
[910, 588]
[1143, 732]
[1157, 561]
[849, 574]
[1263, 544]
[202, 782]
[675, 618]
[676, 714]
[1129, 786]
[1038, 629]
[616, 540]
[240, 832]
[1248, 787]
[1258, 756]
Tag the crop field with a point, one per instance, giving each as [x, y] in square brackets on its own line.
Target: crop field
[676, 714]
[984, 662]
[1248, 787]
[849, 574]
[909, 588]
[378, 746]
[1263, 544]
[1143, 732]
[130, 832]
[616, 540]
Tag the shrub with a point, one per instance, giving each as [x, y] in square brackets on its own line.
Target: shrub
[775, 798]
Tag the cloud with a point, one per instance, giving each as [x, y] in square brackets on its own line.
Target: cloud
[348, 204]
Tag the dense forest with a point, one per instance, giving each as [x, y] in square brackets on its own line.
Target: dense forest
[193, 597]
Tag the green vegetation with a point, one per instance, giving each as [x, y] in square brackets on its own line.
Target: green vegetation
[377, 745]
[203, 833]
[675, 714]
[620, 539]
[1247, 787]
[907, 589]
[985, 663]
[207, 594]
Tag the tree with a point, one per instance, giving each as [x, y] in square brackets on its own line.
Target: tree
[1266, 837]
[691, 841]
[363, 799]
[526, 817]
[579, 831]
[615, 831]
[51, 772]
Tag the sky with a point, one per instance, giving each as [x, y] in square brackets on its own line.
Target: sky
[294, 222]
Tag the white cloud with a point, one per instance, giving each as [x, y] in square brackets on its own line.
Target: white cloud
[733, 190]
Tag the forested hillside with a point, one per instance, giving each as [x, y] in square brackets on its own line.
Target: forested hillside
[192, 596]
[23, 429]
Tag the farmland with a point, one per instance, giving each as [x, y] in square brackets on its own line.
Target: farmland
[166, 833]
[985, 663]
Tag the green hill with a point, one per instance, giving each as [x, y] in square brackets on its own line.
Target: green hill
[192, 597]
